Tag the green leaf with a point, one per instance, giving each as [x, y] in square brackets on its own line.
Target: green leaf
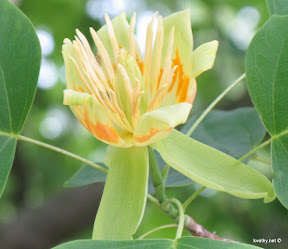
[267, 77]
[19, 67]
[278, 7]
[182, 243]
[7, 151]
[233, 132]
[124, 198]
[20, 57]
[86, 175]
[280, 169]
[213, 168]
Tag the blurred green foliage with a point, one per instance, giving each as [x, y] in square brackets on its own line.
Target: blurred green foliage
[231, 22]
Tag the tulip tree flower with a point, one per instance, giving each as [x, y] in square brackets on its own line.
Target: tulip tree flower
[124, 99]
[130, 101]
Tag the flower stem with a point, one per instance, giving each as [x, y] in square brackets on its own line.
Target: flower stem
[165, 172]
[212, 105]
[157, 229]
[256, 149]
[192, 197]
[64, 152]
[180, 215]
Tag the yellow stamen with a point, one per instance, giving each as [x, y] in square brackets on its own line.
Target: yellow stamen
[112, 37]
[105, 57]
[126, 81]
[115, 104]
[167, 65]
[135, 108]
[148, 53]
[132, 48]
[158, 97]
[157, 56]
[81, 75]
[86, 64]
[92, 58]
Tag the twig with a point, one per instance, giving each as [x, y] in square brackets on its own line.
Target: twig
[199, 231]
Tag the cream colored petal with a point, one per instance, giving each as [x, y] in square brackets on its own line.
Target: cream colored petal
[203, 58]
[183, 40]
[72, 97]
[156, 124]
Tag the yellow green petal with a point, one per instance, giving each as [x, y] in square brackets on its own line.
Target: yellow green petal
[94, 117]
[156, 124]
[203, 58]
[183, 40]
[75, 98]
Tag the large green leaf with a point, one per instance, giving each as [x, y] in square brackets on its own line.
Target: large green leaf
[213, 168]
[182, 243]
[278, 7]
[280, 160]
[7, 150]
[124, 198]
[267, 74]
[267, 77]
[20, 57]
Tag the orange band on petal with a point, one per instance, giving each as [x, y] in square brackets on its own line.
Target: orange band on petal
[145, 138]
[182, 96]
[182, 80]
[101, 131]
[153, 131]
[106, 133]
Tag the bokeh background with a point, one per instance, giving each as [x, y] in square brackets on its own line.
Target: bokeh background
[37, 213]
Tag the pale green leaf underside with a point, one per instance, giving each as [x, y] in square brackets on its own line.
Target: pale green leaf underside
[182, 243]
[267, 77]
[213, 168]
[124, 198]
